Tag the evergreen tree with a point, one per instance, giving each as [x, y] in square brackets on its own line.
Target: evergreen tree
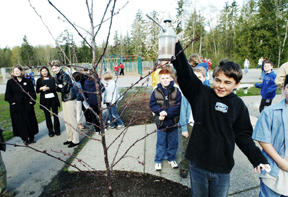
[5, 55]
[179, 16]
[84, 53]
[27, 53]
[195, 25]
[138, 34]
[152, 37]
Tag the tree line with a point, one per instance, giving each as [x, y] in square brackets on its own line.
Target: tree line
[258, 28]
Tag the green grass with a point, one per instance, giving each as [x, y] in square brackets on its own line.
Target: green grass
[252, 92]
[5, 120]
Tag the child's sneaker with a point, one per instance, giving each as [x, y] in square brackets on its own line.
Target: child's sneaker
[121, 126]
[158, 166]
[173, 164]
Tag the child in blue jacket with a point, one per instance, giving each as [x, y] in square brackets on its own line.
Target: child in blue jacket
[271, 131]
[268, 86]
[165, 103]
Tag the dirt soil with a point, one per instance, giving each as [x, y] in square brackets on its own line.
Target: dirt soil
[124, 184]
[134, 108]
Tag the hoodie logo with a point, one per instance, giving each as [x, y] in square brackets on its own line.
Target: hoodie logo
[221, 107]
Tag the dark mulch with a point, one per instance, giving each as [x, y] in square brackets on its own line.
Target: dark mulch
[124, 184]
[134, 107]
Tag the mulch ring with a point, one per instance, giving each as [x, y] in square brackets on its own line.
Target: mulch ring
[124, 184]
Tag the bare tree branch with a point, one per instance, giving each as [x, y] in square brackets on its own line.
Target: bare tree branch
[57, 44]
[70, 23]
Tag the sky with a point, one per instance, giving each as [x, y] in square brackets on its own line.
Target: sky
[18, 18]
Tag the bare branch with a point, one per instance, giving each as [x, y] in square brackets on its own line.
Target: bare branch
[103, 21]
[57, 44]
[133, 144]
[44, 152]
[107, 39]
[70, 23]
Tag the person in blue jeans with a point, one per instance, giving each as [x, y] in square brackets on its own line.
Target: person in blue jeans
[221, 120]
[165, 103]
[111, 97]
[271, 131]
[268, 86]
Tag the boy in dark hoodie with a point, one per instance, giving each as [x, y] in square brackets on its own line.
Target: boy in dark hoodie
[221, 120]
[165, 103]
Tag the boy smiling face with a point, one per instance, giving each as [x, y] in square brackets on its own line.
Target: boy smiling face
[224, 85]
[165, 79]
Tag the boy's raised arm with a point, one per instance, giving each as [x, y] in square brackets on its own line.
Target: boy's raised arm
[188, 81]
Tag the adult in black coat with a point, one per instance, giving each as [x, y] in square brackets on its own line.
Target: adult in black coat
[48, 98]
[24, 122]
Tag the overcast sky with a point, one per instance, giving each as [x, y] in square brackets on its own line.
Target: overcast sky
[19, 19]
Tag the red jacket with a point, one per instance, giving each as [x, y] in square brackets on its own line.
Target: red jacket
[121, 66]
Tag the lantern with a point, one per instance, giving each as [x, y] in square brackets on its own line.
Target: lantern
[166, 44]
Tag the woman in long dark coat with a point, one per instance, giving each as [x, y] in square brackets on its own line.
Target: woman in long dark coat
[24, 122]
[48, 97]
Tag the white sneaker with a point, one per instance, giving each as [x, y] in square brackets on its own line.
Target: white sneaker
[158, 166]
[173, 164]
[120, 126]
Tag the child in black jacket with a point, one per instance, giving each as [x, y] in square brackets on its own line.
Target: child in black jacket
[221, 120]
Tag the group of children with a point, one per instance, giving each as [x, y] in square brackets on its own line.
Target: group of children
[220, 120]
[119, 69]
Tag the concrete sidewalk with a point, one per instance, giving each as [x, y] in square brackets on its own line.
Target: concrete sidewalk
[28, 171]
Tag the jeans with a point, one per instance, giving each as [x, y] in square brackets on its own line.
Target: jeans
[205, 183]
[245, 69]
[114, 116]
[267, 192]
[167, 144]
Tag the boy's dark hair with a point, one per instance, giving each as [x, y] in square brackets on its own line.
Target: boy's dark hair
[77, 76]
[230, 69]
[286, 81]
[269, 62]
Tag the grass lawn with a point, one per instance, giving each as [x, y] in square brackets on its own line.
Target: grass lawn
[5, 120]
[253, 92]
